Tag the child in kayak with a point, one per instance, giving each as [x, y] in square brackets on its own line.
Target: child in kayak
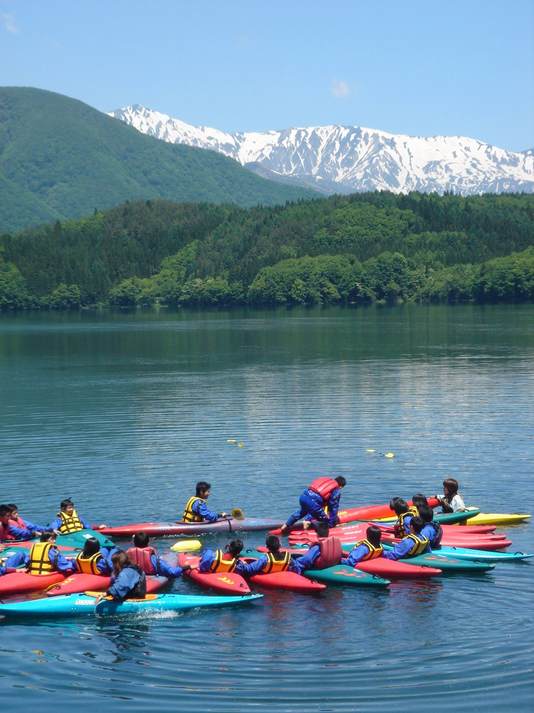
[45, 558]
[196, 508]
[219, 561]
[147, 559]
[128, 581]
[412, 545]
[273, 561]
[431, 530]
[404, 513]
[323, 494]
[68, 520]
[10, 530]
[24, 524]
[326, 552]
[451, 500]
[94, 559]
[366, 549]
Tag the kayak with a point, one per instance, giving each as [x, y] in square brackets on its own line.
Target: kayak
[465, 553]
[24, 583]
[160, 529]
[498, 519]
[75, 583]
[447, 564]
[73, 605]
[373, 512]
[448, 518]
[291, 581]
[228, 582]
[348, 576]
[77, 539]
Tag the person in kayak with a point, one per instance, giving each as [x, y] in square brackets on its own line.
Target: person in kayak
[148, 559]
[326, 552]
[451, 500]
[128, 581]
[320, 502]
[68, 520]
[431, 530]
[11, 563]
[196, 508]
[45, 558]
[94, 559]
[223, 561]
[24, 524]
[10, 530]
[404, 513]
[273, 561]
[367, 549]
[419, 499]
[412, 545]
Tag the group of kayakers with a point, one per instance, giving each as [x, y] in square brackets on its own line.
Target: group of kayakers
[318, 508]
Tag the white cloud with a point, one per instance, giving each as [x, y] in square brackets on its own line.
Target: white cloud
[340, 89]
[7, 20]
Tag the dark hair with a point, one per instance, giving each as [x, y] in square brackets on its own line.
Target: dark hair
[202, 486]
[5, 510]
[341, 481]
[47, 536]
[91, 547]
[419, 499]
[141, 539]
[398, 505]
[12, 507]
[322, 529]
[120, 560]
[417, 523]
[374, 535]
[426, 513]
[234, 547]
[451, 484]
[65, 503]
[273, 543]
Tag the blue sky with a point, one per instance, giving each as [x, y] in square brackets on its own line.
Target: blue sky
[406, 66]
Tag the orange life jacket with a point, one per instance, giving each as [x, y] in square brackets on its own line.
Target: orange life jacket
[88, 565]
[223, 562]
[373, 551]
[274, 565]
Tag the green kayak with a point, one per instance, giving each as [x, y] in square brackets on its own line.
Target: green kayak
[347, 576]
[446, 564]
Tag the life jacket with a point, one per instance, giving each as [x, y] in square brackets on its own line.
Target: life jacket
[69, 523]
[400, 527]
[331, 552]
[88, 565]
[324, 487]
[373, 551]
[141, 556]
[274, 565]
[19, 522]
[221, 563]
[189, 515]
[419, 544]
[5, 534]
[40, 559]
[139, 591]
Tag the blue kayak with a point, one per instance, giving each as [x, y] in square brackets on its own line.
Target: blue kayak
[72, 605]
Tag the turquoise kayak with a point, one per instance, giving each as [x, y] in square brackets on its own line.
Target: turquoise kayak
[446, 564]
[463, 553]
[73, 605]
[77, 539]
[347, 576]
[444, 518]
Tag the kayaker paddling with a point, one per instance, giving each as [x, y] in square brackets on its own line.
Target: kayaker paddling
[196, 508]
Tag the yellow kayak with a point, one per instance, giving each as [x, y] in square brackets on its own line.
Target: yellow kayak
[497, 518]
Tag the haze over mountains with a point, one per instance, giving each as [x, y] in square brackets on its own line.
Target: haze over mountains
[347, 159]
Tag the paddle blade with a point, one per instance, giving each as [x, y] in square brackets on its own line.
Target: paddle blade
[238, 514]
[186, 546]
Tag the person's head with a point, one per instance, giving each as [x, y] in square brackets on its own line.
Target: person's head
[5, 514]
[322, 529]
[67, 506]
[203, 489]
[374, 535]
[398, 505]
[341, 481]
[426, 513]
[419, 499]
[234, 547]
[119, 561]
[91, 547]
[450, 486]
[141, 539]
[48, 536]
[273, 543]
[14, 509]
[416, 525]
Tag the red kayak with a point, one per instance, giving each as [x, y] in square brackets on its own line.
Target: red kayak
[227, 582]
[24, 583]
[374, 512]
[291, 581]
[78, 582]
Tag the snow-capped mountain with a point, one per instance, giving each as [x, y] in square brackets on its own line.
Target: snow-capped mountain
[345, 159]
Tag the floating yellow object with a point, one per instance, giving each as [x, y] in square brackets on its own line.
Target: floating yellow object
[370, 450]
[231, 441]
[186, 546]
[389, 454]
[240, 444]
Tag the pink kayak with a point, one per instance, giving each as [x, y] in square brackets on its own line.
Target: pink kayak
[291, 581]
[373, 512]
[227, 582]
[78, 582]
[24, 583]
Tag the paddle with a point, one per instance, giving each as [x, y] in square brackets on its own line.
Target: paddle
[186, 546]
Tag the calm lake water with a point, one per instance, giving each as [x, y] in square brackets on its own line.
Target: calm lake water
[125, 412]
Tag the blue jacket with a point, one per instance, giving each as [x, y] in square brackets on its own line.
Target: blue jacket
[430, 533]
[56, 560]
[201, 509]
[356, 555]
[123, 584]
[307, 560]
[258, 566]
[15, 560]
[401, 550]
[164, 569]
[312, 508]
[19, 533]
[208, 557]
[56, 524]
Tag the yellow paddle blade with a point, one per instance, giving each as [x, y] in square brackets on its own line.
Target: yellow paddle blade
[97, 594]
[238, 514]
[186, 546]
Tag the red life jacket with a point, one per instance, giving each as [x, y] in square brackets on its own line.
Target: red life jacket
[4, 532]
[331, 552]
[141, 556]
[19, 522]
[324, 487]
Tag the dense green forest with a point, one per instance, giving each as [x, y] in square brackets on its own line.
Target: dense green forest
[60, 158]
[364, 248]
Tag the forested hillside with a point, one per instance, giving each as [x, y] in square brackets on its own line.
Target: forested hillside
[345, 249]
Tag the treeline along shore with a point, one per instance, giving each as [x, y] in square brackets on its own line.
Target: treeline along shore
[358, 249]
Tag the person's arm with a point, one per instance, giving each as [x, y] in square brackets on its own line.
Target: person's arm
[86, 524]
[206, 560]
[55, 524]
[356, 555]
[17, 559]
[62, 564]
[249, 569]
[205, 513]
[400, 550]
[34, 528]
[19, 533]
[164, 569]
[307, 560]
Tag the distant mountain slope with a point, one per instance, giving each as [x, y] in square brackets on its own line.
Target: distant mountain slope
[345, 159]
[60, 158]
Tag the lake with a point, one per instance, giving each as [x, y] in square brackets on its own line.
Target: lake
[124, 412]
